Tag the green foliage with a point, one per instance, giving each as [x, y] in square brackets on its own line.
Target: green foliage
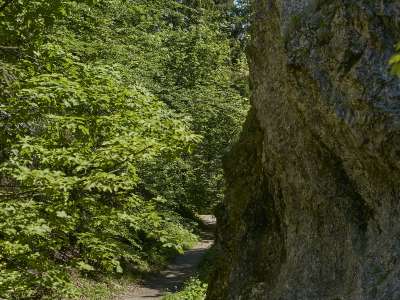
[114, 117]
[184, 57]
[81, 136]
[394, 62]
[23, 22]
[194, 289]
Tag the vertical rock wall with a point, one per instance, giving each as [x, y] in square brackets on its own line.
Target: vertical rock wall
[313, 202]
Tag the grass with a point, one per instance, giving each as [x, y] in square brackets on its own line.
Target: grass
[194, 289]
[105, 288]
[101, 288]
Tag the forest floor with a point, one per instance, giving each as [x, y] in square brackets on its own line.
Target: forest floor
[180, 270]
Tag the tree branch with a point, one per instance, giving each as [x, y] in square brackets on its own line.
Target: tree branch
[9, 47]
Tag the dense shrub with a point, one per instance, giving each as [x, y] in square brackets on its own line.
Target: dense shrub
[114, 116]
[194, 289]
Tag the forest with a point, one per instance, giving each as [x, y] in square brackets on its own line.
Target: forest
[200, 149]
[114, 117]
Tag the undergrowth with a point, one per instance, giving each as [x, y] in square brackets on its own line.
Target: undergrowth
[194, 289]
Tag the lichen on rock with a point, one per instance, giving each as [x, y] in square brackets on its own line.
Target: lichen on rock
[312, 206]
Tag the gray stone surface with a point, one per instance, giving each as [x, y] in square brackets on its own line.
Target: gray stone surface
[313, 201]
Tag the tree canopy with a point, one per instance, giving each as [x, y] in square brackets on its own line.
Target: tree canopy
[114, 118]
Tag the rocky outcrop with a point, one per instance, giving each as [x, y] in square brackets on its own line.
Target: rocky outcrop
[312, 210]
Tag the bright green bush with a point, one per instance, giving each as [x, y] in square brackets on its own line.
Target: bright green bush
[114, 116]
[182, 53]
[394, 61]
[194, 289]
[73, 198]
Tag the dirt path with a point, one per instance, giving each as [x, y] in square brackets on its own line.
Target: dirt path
[180, 270]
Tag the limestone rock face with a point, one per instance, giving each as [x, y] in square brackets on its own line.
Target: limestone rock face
[312, 210]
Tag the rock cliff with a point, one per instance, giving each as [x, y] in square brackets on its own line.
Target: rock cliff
[312, 209]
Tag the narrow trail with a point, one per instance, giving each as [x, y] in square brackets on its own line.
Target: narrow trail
[180, 270]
